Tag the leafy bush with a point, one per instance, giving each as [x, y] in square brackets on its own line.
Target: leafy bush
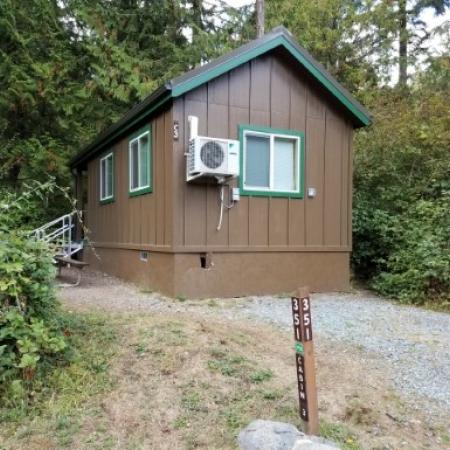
[418, 267]
[30, 333]
[402, 196]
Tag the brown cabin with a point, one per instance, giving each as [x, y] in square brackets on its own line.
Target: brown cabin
[287, 211]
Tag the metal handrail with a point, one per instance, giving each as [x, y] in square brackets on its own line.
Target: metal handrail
[53, 222]
[62, 235]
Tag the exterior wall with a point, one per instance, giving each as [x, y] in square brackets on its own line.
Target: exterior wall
[266, 244]
[267, 92]
[156, 273]
[140, 222]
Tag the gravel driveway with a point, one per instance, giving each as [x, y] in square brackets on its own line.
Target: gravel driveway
[414, 342]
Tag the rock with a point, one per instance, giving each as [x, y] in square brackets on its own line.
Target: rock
[268, 435]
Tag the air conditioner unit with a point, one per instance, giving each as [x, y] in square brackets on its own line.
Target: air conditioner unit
[211, 157]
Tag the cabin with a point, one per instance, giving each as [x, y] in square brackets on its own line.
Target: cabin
[232, 179]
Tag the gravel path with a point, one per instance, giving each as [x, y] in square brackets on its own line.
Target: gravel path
[414, 342]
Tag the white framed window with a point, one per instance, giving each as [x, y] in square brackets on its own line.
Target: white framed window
[107, 177]
[139, 158]
[272, 162]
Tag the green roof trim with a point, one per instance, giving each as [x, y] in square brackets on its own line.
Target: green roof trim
[278, 37]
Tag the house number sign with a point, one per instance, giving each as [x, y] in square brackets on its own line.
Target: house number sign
[176, 130]
[304, 357]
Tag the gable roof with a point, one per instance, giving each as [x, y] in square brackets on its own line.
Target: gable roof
[278, 37]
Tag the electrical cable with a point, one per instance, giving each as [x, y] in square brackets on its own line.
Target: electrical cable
[222, 204]
[219, 226]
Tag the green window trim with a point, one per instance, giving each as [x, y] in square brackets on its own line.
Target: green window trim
[279, 133]
[109, 198]
[141, 188]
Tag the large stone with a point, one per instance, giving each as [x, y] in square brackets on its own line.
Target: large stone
[268, 435]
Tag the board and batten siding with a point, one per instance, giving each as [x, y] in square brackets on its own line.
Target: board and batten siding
[142, 222]
[267, 92]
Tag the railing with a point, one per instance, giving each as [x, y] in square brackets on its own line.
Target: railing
[59, 232]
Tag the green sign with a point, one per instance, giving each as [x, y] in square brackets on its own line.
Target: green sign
[299, 348]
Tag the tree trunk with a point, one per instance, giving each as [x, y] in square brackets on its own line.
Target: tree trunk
[259, 18]
[402, 44]
[197, 8]
[12, 177]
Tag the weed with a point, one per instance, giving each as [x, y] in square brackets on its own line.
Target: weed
[230, 366]
[339, 433]
[180, 422]
[141, 348]
[360, 414]
[272, 395]
[282, 295]
[146, 290]
[261, 375]
[181, 298]
[190, 400]
[217, 352]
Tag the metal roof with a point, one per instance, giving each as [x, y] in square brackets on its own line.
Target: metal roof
[278, 37]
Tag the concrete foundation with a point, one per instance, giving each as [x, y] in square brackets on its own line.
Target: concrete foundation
[195, 275]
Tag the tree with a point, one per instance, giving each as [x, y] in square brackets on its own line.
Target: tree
[40, 89]
[260, 18]
[411, 28]
[70, 68]
[342, 34]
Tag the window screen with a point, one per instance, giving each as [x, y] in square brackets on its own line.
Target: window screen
[257, 163]
[284, 164]
[271, 162]
[106, 177]
[139, 160]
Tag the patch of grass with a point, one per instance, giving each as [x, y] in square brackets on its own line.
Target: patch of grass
[272, 394]
[146, 290]
[282, 295]
[260, 376]
[446, 438]
[181, 422]
[230, 365]
[239, 338]
[191, 401]
[56, 396]
[340, 434]
[181, 297]
[141, 348]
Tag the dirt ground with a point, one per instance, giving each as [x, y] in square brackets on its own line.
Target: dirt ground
[357, 398]
[190, 375]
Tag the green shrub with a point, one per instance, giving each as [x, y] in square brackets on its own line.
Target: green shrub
[30, 332]
[417, 270]
[401, 220]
